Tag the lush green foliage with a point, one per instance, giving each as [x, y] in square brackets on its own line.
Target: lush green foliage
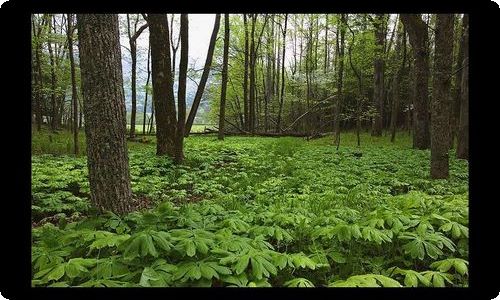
[258, 212]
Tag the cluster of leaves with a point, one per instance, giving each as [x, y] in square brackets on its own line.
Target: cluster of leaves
[293, 214]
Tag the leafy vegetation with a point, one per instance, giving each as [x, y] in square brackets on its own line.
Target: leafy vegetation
[257, 212]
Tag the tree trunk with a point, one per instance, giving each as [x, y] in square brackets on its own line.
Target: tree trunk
[282, 77]
[336, 112]
[441, 104]
[53, 79]
[222, 112]
[204, 77]
[378, 88]
[74, 94]
[245, 78]
[163, 93]
[252, 77]
[146, 93]
[104, 105]
[418, 36]
[463, 129]
[455, 109]
[397, 80]
[181, 93]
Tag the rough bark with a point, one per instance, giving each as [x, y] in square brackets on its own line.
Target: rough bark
[163, 93]
[204, 77]
[396, 81]
[463, 128]
[245, 77]
[441, 104]
[146, 92]
[104, 106]
[338, 102]
[222, 111]
[74, 94]
[418, 36]
[181, 93]
[278, 123]
[378, 88]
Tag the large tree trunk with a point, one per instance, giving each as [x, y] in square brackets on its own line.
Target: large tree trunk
[463, 128]
[278, 125]
[181, 93]
[441, 104]
[74, 94]
[338, 102]
[53, 79]
[104, 105]
[378, 88]
[418, 36]
[455, 110]
[245, 77]
[163, 93]
[252, 75]
[146, 93]
[222, 111]
[204, 77]
[396, 82]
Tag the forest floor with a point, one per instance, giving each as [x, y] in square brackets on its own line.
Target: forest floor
[253, 211]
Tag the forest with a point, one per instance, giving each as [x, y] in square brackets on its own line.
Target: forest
[249, 150]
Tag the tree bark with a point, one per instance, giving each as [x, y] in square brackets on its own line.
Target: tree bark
[378, 88]
[278, 125]
[418, 36]
[463, 128]
[53, 79]
[163, 93]
[245, 76]
[396, 81]
[104, 105]
[337, 104]
[204, 77]
[146, 93]
[74, 94]
[222, 111]
[441, 104]
[181, 93]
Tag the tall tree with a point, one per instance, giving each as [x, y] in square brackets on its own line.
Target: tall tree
[463, 128]
[245, 76]
[378, 88]
[74, 94]
[181, 93]
[163, 91]
[418, 36]
[133, 34]
[204, 77]
[396, 82]
[104, 106]
[278, 125]
[146, 91]
[53, 76]
[174, 47]
[441, 104]
[222, 111]
[341, 26]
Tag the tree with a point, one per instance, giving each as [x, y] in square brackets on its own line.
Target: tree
[418, 36]
[181, 92]
[222, 111]
[282, 75]
[74, 94]
[146, 92]
[378, 88]
[204, 77]
[441, 104]
[104, 106]
[163, 91]
[340, 52]
[132, 37]
[396, 82]
[463, 128]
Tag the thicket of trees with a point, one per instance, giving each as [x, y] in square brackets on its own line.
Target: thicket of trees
[275, 74]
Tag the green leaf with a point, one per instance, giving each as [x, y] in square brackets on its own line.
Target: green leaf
[242, 264]
[56, 273]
